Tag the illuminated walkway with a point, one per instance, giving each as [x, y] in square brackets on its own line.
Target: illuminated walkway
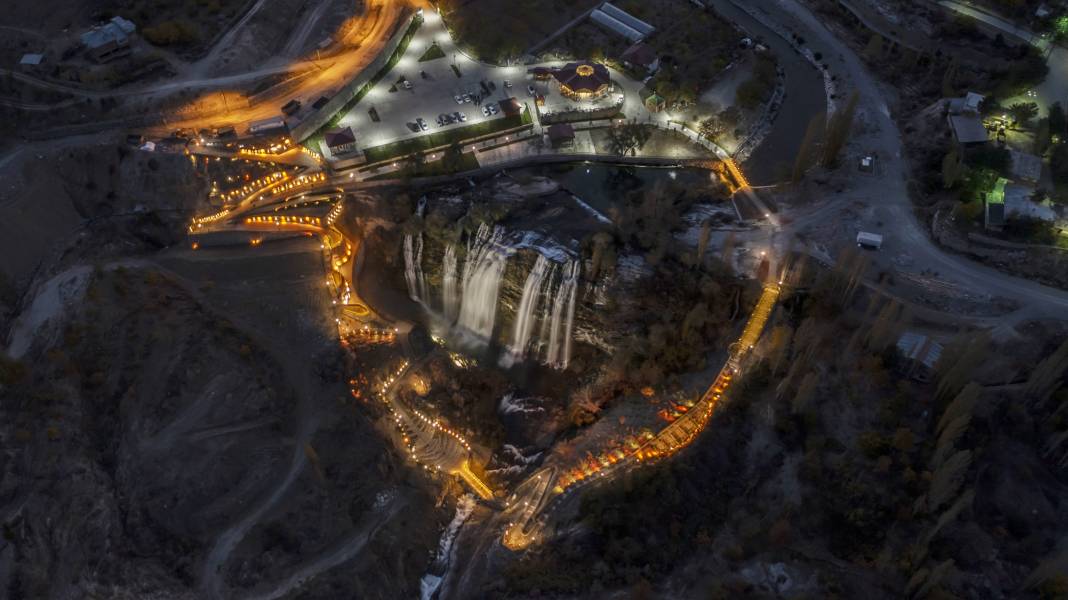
[528, 512]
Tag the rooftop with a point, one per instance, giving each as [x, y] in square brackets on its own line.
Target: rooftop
[920, 348]
[116, 30]
[968, 129]
[339, 137]
[640, 54]
[561, 132]
[583, 77]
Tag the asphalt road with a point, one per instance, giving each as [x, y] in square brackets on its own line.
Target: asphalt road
[907, 246]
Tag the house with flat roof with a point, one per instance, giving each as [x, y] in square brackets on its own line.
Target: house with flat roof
[110, 40]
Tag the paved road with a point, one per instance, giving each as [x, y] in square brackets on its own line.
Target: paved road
[908, 246]
[989, 18]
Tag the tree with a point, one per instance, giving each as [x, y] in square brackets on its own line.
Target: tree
[712, 128]
[453, 158]
[702, 242]
[805, 152]
[838, 131]
[628, 138]
[874, 49]
[1058, 124]
[1023, 112]
[951, 168]
[730, 117]
[1042, 137]
[948, 78]
[1047, 375]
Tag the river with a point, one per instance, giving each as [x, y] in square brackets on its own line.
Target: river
[805, 95]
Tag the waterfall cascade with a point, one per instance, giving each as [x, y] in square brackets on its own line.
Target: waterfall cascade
[528, 304]
[413, 268]
[450, 300]
[563, 317]
[486, 260]
[469, 299]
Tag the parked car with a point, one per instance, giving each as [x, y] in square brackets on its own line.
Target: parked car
[493, 109]
[458, 98]
[290, 108]
[467, 97]
[422, 124]
[459, 116]
[530, 90]
[407, 84]
[507, 84]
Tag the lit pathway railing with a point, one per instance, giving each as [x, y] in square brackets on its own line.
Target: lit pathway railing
[672, 438]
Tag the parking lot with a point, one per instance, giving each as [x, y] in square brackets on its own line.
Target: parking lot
[429, 97]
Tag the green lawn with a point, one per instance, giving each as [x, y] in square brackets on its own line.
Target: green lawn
[432, 53]
[444, 138]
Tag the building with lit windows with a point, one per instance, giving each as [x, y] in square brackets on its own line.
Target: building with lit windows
[584, 80]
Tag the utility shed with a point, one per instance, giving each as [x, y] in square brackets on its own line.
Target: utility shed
[921, 354]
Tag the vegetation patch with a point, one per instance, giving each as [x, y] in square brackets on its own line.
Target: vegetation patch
[447, 165]
[516, 26]
[432, 53]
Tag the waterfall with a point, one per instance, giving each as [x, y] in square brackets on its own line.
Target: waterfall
[413, 268]
[431, 582]
[543, 335]
[525, 315]
[483, 270]
[450, 301]
[563, 317]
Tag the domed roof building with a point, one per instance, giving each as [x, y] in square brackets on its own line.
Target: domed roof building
[583, 80]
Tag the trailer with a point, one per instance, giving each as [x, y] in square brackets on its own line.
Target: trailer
[872, 241]
[271, 125]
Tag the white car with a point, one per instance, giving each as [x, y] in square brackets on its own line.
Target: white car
[422, 124]
[407, 84]
[459, 116]
[467, 97]
[458, 99]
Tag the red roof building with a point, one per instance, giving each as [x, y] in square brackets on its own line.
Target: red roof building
[583, 80]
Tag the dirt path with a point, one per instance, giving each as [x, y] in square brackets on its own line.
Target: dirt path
[344, 552]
